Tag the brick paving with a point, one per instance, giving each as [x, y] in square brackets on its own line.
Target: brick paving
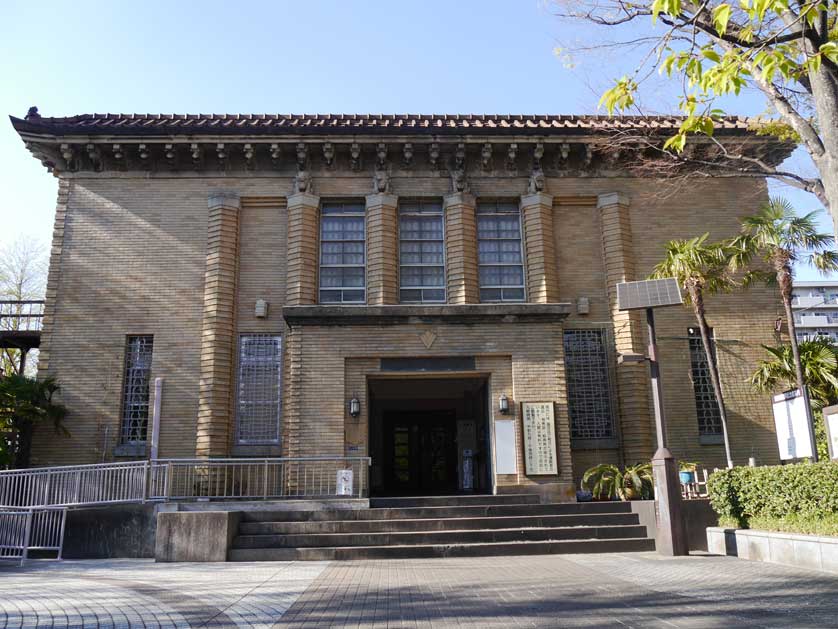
[614, 590]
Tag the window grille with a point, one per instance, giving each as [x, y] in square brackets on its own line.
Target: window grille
[135, 389]
[588, 384]
[421, 252]
[499, 253]
[259, 398]
[343, 253]
[706, 404]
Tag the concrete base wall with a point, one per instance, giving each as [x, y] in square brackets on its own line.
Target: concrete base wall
[195, 535]
[110, 532]
[802, 551]
[698, 515]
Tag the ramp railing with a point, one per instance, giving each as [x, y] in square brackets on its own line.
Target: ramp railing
[25, 530]
[185, 479]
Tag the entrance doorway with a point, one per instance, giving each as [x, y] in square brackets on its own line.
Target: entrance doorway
[429, 436]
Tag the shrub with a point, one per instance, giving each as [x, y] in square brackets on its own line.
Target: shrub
[796, 498]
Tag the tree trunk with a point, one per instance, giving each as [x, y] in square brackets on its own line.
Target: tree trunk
[24, 445]
[784, 279]
[698, 306]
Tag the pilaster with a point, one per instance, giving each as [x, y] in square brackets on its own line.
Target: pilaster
[636, 425]
[542, 277]
[218, 328]
[301, 282]
[461, 248]
[382, 249]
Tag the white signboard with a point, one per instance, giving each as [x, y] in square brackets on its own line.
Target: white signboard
[506, 459]
[792, 426]
[539, 438]
[344, 483]
[830, 415]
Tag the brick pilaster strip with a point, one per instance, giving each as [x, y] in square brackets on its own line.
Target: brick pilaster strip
[636, 422]
[382, 249]
[461, 249]
[218, 329]
[301, 283]
[542, 277]
[53, 276]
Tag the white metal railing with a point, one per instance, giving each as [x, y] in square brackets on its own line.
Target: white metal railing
[185, 479]
[696, 489]
[24, 530]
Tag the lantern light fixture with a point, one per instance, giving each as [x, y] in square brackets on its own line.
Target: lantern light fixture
[503, 404]
[355, 407]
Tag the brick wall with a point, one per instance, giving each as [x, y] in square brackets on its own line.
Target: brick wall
[130, 257]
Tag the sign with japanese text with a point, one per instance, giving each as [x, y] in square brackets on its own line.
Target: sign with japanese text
[539, 438]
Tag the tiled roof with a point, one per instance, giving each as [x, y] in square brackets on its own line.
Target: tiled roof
[396, 124]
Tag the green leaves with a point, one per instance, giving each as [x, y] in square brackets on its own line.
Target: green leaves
[721, 16]
[619, 97]
[668, 7]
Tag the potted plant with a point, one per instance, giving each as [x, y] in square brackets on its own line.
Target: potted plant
[607, 481]
[687, 472]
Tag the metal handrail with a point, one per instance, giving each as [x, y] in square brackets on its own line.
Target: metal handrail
[22, 530]
[185, 479]
[21, 315]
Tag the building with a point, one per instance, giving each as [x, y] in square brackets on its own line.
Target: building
[400, 287]
[815, 309]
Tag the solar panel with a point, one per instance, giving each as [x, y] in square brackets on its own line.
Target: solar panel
[648, 294]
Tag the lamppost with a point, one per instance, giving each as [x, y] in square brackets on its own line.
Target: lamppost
[648, 295]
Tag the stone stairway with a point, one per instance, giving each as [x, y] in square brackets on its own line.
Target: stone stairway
[444, 526]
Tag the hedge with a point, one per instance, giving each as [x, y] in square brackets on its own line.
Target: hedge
[796, 498]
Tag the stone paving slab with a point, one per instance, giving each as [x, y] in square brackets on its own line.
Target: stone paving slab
[609, 590]
[141, 593]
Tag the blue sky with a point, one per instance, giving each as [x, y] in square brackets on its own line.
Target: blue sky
[430, 56]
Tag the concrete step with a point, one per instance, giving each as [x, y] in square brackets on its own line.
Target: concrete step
[436, 524]
[417, 538]
[443, 550]
[408, 502]
[413, 513]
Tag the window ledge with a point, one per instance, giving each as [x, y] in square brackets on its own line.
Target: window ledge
[594, 444]
[711, 440]
[256, 449]
[130, 449]
[466, 313]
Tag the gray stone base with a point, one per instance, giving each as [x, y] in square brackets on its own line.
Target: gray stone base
[801, 551]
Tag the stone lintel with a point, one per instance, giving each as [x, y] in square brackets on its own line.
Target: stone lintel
[459, 198]
[396, 314]
[303, 199]
[537, 199]
[224, 198]
[382, 199]
[612, 198]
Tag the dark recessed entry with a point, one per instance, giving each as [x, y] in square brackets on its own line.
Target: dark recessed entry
[453, 363]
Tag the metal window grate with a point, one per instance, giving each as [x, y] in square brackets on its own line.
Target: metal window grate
[259, 399]
[135, 395]
[706, 404]
[500, 255]
[343, 253]
[588, 385]
[421, 252]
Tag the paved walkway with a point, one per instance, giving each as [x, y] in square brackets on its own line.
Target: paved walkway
[619, 590]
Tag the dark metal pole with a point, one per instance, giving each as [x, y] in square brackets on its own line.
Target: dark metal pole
[671, 535]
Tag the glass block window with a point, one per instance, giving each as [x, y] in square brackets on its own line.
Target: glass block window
[135, 389]
[421, 252]
[499, 253]
[259, 388]
[588, 384]
[706, 404]
[343, 253]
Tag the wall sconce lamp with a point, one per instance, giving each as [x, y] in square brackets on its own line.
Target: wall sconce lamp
[503, 404]
[354, 407]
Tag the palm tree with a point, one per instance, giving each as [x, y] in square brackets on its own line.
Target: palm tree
[819, 359]
[780, 238]
[701, 268]
[23, 403]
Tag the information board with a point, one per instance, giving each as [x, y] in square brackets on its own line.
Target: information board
[790, 421]
[539, 438]
[830, 415]
[505, 450]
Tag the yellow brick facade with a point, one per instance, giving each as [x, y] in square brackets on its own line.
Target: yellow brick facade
[185, 256]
